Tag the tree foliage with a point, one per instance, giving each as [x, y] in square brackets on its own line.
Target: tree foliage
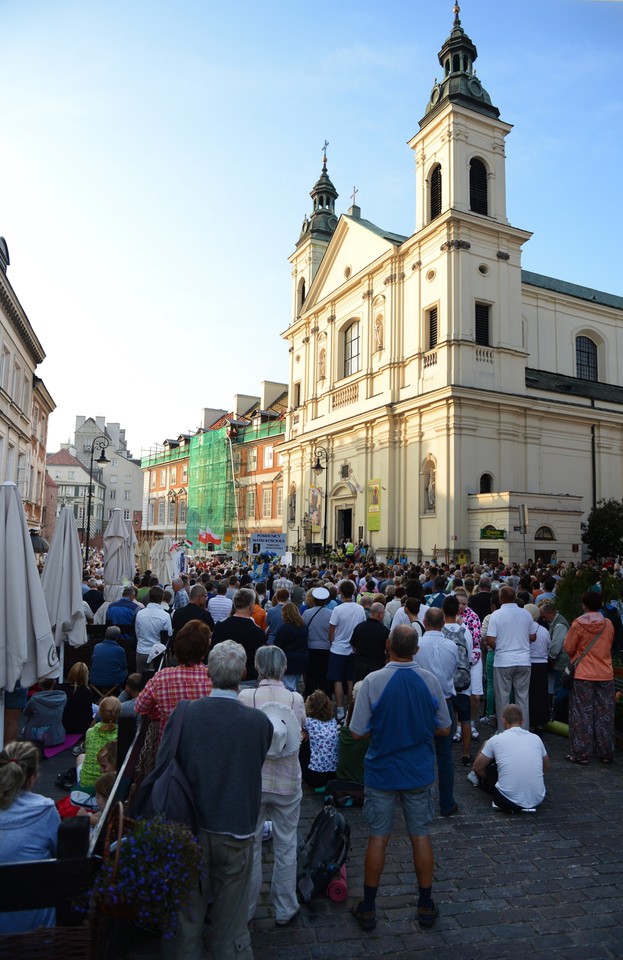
[574, 583]
[603, 531]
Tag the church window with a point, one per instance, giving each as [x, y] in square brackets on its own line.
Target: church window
[432, 327]
[435, 192]
[301, 295]
[478, 187]
[482, 324]
[586, 359]
[486, 483]
[351, 349]
[544, 533]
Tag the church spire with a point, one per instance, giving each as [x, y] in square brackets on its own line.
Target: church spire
[323, 221]
[459, 84]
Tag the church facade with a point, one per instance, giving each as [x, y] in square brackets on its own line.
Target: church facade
[451, 404]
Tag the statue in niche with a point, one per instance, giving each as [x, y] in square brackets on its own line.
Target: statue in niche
[430, 488]
[322, 364]
[292, 505]
[378, 334]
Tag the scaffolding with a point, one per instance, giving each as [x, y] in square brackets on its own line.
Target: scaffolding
[210, 488]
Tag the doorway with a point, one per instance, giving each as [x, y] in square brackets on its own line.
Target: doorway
[488, 555]
[344, 526]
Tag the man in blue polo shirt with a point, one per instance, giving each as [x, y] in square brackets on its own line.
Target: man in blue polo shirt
[401, 708]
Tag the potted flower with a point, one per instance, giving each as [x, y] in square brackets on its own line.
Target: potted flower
[149, 877]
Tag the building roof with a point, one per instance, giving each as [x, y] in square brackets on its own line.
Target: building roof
[63, 458]
[572, 289]
[572, 386]
[372, 227]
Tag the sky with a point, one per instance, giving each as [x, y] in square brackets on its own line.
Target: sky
[156, 161]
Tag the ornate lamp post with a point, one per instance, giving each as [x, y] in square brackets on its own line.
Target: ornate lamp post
[173, 497]
[99, 443]
[321, 454]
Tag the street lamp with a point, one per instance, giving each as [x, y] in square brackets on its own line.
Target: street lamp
[99, 443]
[174, 498]
[322, 453]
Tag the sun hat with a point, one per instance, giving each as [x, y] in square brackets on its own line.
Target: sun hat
[286, 730]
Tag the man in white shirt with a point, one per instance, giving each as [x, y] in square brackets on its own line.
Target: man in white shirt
[510, 632]
[148, 625]
[510, 766]
[220, 606]
[439, 655]
[344, 619]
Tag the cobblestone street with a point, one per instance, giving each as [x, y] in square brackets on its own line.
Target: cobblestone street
[546, 885]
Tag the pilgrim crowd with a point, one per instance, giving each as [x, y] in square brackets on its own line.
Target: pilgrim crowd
[356, 678]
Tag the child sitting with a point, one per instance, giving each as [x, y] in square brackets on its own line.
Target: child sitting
[103, 789]
[318, 754]
[97, 737]
[44, 711]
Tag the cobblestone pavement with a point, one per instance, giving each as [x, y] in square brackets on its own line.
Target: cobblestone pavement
[545, 885]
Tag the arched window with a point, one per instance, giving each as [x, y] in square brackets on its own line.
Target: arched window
[301, 295]
[586, 359]
[544, 533]
[478, 195]
[435, 192]
[486, 483]
[352, 349]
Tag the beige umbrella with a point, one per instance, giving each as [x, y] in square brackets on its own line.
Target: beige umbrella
[144, 557]
[62, 582]
[27, 648]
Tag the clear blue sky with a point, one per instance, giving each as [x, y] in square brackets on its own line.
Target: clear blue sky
[157, 159]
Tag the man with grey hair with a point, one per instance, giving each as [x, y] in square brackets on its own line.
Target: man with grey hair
[281, 786]
[221, 750]
[241, 628]
[180, 597]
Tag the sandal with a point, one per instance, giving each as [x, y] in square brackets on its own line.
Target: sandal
[572, 759]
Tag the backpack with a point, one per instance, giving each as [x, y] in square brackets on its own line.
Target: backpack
[323, 853]
[166, 790]
[462, 672]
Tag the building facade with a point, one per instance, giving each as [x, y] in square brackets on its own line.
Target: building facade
[436, 386]
[72, 489]
[25, 404]
[122, 475]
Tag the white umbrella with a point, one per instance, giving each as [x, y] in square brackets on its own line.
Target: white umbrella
[62, 582]
[117, 553]
[162, 560]
[144, 560]
[27, 648]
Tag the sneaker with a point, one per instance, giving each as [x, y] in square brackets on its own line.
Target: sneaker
[494, 805]
[457, 736]
[340, 714]
[466, 761]
[473, 778]
[475, 734]
[427, 915]
[528, 809]
[365, 918]
[267, 830]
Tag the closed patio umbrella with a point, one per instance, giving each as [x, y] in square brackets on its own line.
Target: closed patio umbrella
[117, 552]
[144, 558]
[27, 648]
[62, 583]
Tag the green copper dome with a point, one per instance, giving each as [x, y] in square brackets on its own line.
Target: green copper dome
[460, 83]
[323, 221]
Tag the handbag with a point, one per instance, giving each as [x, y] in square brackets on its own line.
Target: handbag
[568, 674]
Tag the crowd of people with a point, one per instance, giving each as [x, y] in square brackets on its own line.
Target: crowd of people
[351, 672]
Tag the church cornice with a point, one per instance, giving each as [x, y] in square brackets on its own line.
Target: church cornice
[21, 324]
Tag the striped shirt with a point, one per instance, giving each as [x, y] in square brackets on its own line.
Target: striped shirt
[220, 607]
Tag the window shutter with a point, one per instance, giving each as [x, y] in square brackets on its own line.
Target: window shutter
[478, 198]
[482, 324]
[435, 193]
[432, 328]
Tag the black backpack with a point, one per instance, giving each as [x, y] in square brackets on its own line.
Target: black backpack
[166, 790]
[323, 852]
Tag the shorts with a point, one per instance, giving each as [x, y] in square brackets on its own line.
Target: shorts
[417, 810]
[462, 705]
[476, 670]
[341, 667]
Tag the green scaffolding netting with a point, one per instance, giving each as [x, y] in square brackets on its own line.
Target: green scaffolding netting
[210, 488]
